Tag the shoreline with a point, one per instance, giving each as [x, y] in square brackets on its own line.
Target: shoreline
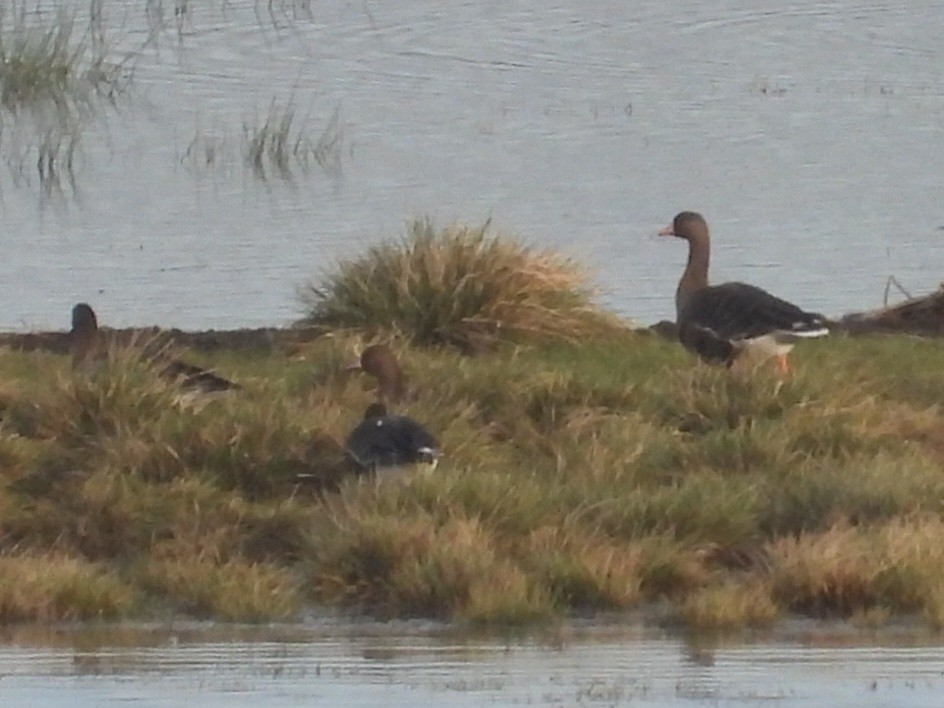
[881, 321]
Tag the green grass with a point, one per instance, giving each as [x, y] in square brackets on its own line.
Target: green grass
[578, 477]
[458, 285]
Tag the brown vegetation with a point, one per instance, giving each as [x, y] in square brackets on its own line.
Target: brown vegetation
[596, 477]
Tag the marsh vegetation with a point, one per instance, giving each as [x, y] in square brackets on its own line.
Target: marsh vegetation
[62, 67]
[461, 285]
[605, 471]
[279, 143]
[57, 70]
[50, 62]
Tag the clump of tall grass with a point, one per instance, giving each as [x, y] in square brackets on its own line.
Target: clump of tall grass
[583, 570]
[234, 590]
[458, 285]
[50, 587]
[124, 397]
[847, 569]
[423, 567]
[730, 605]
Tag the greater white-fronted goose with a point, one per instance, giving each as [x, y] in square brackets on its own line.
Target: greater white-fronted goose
[385, 440]
[379, 361]
[719, 322]
[86, 349]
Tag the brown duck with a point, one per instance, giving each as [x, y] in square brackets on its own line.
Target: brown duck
[379, 361]
[720, 322]
[86, 348]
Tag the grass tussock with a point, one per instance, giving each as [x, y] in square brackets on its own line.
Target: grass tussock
[848, 570]
[420, 567]
[234, 590]
[458, 285]
[51, 587]
[597, 476]
[585, 572]
[730, 605]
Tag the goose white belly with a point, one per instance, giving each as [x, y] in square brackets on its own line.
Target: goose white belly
[781, 341]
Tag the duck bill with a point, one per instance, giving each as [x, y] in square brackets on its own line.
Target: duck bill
[667, 231]
[356, 366]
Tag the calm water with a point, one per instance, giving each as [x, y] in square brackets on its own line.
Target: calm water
[399, 665]
[811, 134]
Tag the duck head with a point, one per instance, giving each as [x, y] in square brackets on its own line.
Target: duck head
[379, 361]
[83, 318]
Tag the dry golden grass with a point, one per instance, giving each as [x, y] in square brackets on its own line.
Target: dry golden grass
[50, 587]
[847, 569]
[232, 590]
[584, 571]
[586, 477]
[730, 605]
[458, 285]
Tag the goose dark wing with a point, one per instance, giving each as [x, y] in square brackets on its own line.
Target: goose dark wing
[389, 441]
[369, 443]
[708, 345]
[415, 441]
[735, 311]
[194, 377]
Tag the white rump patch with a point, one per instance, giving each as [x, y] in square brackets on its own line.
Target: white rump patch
[807, 333]
[768, 344]
[781, 341]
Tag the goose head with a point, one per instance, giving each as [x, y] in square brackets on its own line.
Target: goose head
[689, 225]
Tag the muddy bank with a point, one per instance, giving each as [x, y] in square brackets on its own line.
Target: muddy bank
[920, 316]
[263, 339]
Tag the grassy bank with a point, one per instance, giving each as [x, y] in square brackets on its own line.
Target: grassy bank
[577, 477]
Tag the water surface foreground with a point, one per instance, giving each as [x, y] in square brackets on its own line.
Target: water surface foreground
[406, 664]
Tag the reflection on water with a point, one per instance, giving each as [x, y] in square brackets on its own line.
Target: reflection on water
[808, 133]
[406, 665]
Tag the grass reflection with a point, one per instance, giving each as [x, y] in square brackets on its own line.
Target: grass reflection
[58, 69]
[278, 144]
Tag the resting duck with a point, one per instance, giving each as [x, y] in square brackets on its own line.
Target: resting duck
[84, 346]
[195, 378]
[720, 322]
[83, 338]
[385, 440]
[380, 362]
